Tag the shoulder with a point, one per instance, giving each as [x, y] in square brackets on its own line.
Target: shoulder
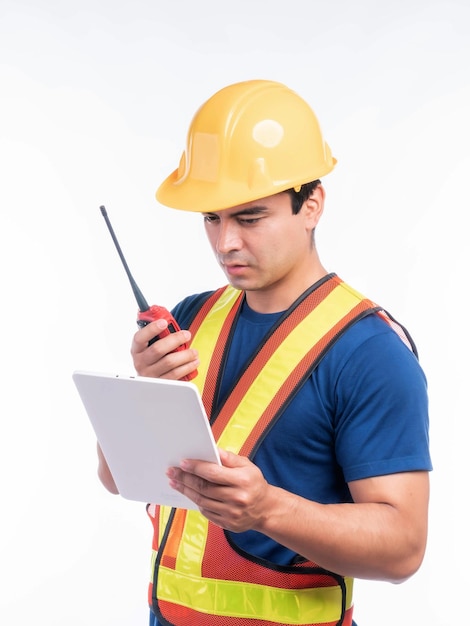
[369, 371]
[185, 310]
[372, 340]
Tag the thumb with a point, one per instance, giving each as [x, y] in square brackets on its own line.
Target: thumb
[230, 459]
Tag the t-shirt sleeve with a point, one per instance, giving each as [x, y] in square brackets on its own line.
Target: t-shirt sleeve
[185, 310]
[382, 418]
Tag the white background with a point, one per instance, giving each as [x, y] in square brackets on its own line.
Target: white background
[95, 101]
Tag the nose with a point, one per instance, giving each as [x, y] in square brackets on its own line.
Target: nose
[228, 237]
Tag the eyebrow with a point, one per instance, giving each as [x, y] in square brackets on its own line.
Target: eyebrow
[254, 210]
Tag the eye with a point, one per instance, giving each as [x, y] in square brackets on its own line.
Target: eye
[248, 220]
[210, 218]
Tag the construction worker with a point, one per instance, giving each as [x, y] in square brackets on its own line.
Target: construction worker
[314, 393]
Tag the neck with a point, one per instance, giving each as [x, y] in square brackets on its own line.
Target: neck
[277, 298]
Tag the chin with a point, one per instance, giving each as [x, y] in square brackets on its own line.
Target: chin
[239, 283]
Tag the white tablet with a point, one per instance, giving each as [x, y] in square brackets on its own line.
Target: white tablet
[145, 425]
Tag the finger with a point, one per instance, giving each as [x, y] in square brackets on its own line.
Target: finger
[148, 333]
[162, 358]
[201, 492]
[172, 370]
[230, 459]
[206, 470]
[173, 366]
[145, 334]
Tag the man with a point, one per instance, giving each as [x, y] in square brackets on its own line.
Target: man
[314, 393]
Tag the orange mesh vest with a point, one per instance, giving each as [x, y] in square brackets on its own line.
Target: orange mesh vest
[198, 578]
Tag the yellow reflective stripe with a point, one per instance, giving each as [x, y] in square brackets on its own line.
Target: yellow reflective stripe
[192, 544]
[286, 356]
[250, 601]
[164, 514]
[352, 292]
[153, 558]
[205, 341]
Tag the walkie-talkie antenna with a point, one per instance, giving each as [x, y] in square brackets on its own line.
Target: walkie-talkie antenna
[141, 301]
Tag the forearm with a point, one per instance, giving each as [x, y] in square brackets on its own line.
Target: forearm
[369, 540]
[380, 536]
[104, 473]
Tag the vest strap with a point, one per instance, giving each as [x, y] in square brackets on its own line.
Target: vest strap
[288, 355]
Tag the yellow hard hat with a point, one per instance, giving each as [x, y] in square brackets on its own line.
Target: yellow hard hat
[249, 140]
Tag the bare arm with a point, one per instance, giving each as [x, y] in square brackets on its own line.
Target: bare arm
[381, 536]
[104, 473]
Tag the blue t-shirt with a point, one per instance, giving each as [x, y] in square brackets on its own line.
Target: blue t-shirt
[363, 412]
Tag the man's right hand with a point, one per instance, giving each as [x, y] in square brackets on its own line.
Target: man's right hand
[159, 360]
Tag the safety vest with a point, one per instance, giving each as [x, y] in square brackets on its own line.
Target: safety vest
[198, 577]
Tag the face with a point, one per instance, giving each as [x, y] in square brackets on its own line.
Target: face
[266, 250]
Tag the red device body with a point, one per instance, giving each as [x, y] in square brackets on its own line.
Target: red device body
[156, 312]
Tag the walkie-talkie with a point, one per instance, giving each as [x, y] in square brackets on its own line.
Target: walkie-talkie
[147, 313]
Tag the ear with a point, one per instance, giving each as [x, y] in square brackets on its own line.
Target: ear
[313, 206]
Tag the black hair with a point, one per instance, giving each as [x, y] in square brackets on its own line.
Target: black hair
[299, 197]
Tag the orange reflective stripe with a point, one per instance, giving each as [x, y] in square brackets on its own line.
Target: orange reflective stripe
[173, 542]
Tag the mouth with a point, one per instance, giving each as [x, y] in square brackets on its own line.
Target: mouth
[233, 269]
